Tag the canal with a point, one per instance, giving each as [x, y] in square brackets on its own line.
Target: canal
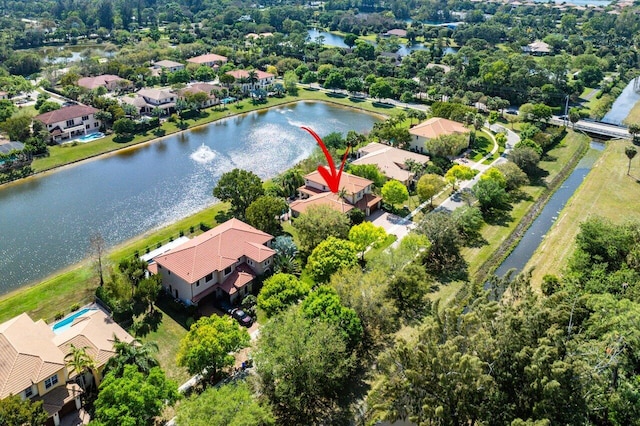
[534, 235]
[46, 221]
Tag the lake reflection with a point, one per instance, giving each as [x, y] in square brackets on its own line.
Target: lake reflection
[45, 221]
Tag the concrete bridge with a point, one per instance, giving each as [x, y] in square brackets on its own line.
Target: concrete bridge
[596, 128]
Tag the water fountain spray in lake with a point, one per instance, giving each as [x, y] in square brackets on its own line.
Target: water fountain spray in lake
[203, 154]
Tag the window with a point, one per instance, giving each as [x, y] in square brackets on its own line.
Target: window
[87, 126]
[227, 271]
[51, 381]
[85, 117]
[209, 277]
[96, 124]
[250, 262]
[198, 283]
[69, 122]
[28, 392]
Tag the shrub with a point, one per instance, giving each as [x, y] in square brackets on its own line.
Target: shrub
[59, 315]
[75, 307]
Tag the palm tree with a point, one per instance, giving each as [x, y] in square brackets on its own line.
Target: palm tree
[252, 78]
[79, 362]
[132, 353]
[342, 196]
[630, 152]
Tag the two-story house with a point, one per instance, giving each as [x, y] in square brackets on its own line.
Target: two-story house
[167, 66]
[433, 128]
[390, 161]
[210, 60]
[357, 193]
[222, 262]
[209, 89]
[145, 100]
[68, 122]
[32, 358]
[108, 81]
[263, 79]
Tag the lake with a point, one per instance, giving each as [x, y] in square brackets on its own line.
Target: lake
[338, 41]
[46, 221]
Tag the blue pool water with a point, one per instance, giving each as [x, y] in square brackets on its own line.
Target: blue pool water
[65, 324]
[91, 137]
[228, 100]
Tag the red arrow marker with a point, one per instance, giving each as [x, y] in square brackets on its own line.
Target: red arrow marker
[330, 176]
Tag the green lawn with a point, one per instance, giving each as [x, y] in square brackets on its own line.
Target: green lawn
[607, 191]
[78, 283]
[634, 115]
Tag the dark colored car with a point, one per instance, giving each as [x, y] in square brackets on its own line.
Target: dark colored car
[242, 317]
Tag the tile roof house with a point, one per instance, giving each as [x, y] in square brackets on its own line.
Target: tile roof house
[315, 192]
[433, 128]
[3, 95]
[209, 89]
[398, 32]
[67, 122]
[210, 60]
[538, 47]
[264, 79]
[171, 66]
[222, 262]
[108, 81]
[32, 357]
[148, 99]
[391, 161]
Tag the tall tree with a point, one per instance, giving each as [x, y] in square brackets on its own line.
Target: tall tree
[630, 152]
[264, 214]
[394, 192]
[140, 355]
[318, 223]
[301, 367]
[330, 256]
[240, 188]
[366, 234]
[280, 291]
[79, 362]
[135, 398]
[209, 344]
[16, 411]
[428, 186]
[232, 404]
[98, 248]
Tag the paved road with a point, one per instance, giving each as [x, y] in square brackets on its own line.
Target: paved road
[422, 107]
[595, 127]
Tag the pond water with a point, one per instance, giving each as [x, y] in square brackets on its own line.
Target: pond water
[60, 55]
[338, 41]
[547, 217]
[46, 221]
[622, 105]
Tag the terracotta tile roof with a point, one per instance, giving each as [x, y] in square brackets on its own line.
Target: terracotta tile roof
[238, 74]
[167, 64]
[96, 331]
[396, 32]
[240, 277]
[97, 81]
[323, 199]
[66, 113]
[216, 250]
[389, 160]
[437, 126]
[27, 354]
[351, 183]
[157, 94]
[209, 57]
[53, 401]
[369, 200]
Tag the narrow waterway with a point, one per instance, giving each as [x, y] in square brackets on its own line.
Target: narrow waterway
[622, 105]
[541, 225]
[46, 221]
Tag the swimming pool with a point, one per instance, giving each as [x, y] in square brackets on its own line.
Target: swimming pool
[228, 100]
[65, 324]
[91, 137]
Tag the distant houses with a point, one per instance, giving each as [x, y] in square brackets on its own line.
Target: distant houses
[108, 81]
[537, 48]
[432, 129]
[209, 60]
[165, 65]
[390, 161]
[242, 77]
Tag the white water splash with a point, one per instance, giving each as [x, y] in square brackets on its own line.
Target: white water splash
[203, 154]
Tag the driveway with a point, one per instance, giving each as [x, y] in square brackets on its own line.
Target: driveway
[392, 223]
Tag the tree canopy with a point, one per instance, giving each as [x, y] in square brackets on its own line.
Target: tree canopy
[318, 223]
[240, 188]
[279, 292]
[330, 256]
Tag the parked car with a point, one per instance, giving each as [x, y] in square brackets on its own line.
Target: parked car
[226, 307]
[242, 317]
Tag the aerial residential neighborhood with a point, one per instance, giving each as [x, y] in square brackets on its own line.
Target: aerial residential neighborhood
[319, 213]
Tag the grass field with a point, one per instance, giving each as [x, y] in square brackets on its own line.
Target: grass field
[607, 191]
[495, 234]
[634, 115]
